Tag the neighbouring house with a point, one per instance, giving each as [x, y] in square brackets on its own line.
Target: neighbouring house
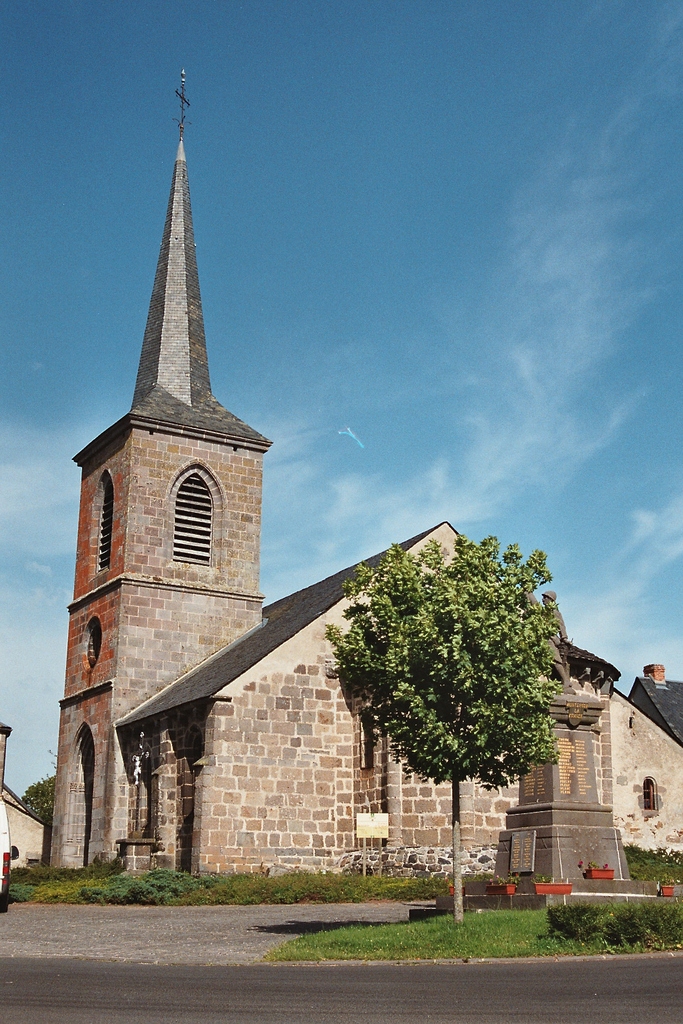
[647, 752]
[29, 833]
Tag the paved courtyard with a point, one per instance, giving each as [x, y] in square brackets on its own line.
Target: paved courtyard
[173, 935]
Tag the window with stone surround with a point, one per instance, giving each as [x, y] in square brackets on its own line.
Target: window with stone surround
[106, 523]
[649, 795]
[193, 520]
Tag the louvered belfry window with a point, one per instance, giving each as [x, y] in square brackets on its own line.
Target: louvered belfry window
[106, 524]
[192, 532]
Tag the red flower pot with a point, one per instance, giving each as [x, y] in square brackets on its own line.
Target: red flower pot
[553, 888]
[501, 889]
[451, 890]
[606, 874]
[667, 890]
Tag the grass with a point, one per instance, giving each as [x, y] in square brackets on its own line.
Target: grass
[171, 888]
[566, 930]
[502, 934]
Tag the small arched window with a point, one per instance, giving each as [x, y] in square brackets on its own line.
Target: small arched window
[192, 527]
[106, 523]
[94, 642]
[649, 795]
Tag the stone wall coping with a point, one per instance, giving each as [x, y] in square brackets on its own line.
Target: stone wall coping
[129, 421]
[158, 583]
[90, 691]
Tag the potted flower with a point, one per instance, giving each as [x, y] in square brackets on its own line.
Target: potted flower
[502, 886]
[545, 886]
[593, 870]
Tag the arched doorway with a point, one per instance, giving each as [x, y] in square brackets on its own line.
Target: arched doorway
[80, 800]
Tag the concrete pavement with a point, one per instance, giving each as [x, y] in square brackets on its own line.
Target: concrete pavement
[173, 935]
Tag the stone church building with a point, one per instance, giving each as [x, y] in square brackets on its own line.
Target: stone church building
[200, 730]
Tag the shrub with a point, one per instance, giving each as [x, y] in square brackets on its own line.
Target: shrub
[652, 924]
[655, 865]
[43, 873]
[19, 893]
[154, 888]
[582, 921]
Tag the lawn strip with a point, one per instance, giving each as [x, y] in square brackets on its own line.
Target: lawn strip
[503, 934]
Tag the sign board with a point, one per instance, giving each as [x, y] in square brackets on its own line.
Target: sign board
[522, 852]
[372, 826]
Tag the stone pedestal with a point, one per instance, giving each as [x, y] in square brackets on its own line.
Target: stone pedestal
[559, 820]
[136, 854]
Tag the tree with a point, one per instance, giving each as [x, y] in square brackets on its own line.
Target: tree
[40, 797]
[451, 660]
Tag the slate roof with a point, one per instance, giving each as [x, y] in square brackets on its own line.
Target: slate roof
[173, 384]
[580, 657]
[20, 804]
[281, 620]
[662, 703]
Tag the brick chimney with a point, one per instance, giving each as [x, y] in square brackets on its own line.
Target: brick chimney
[656, 672]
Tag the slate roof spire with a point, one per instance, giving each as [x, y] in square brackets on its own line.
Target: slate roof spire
[173, 382]
[174, 346]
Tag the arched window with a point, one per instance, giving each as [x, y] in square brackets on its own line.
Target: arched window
[649, 795]
[192, 527]
[106, 523]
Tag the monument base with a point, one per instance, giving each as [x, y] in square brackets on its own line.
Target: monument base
[568, 836]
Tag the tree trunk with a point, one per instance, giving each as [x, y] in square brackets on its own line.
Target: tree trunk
[457, 857]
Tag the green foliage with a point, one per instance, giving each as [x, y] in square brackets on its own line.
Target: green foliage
[42, 874]
[655, 865]
[302, 887]
[652, 924]
[505, 933]
[452, 661]
[40, 797]
[161, 887]
[155, 888]
[20, 893]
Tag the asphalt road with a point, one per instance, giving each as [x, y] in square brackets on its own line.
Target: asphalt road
[617, 991]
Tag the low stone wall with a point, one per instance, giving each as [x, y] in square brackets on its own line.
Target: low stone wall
[419, 861]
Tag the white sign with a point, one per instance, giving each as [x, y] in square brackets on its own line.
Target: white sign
[372, 826]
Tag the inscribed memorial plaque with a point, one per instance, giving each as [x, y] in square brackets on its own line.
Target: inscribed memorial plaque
[576, 767]
[522, 852]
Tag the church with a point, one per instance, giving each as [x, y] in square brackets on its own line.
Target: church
[200, 730]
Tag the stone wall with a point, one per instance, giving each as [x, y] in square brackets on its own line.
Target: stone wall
[641, 750]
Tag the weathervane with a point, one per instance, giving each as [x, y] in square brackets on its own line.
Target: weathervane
[184, 102]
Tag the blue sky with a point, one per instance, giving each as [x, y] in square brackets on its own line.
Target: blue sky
[455, 228]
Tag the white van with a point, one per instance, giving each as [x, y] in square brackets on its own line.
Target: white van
[8, 854]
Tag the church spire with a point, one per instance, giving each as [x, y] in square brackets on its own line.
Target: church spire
[173, 385]
[174, 347]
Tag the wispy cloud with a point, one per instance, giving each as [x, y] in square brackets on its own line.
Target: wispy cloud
[616, 614]
[572, 277]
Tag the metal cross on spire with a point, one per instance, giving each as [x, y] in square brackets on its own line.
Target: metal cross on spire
[184, 102]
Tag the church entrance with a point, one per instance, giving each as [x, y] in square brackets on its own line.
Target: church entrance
[80, 801]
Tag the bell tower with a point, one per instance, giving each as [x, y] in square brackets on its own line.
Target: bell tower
[167, 563]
